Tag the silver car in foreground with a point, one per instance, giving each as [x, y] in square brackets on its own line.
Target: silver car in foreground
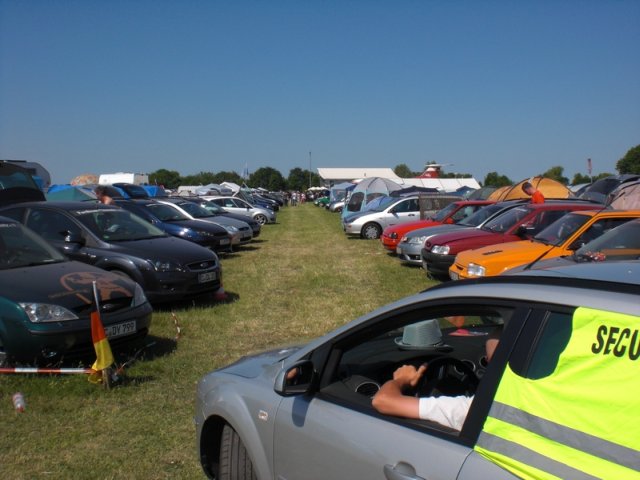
[306, 413]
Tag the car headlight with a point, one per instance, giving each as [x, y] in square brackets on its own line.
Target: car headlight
[231, 229]
[440, 249]
[46, 312]
[139, 298]
[416, 240]
[475, 270]
[165, 265]
[393, 235]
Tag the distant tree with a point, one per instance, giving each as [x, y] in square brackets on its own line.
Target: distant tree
[454, 175]
[580, 178]
[202, 178]
[300, 179]
[403, 171]
[556, 173]
[494, 180]
[267, 177]
[232, 177]
[630, 163]
[167, 178]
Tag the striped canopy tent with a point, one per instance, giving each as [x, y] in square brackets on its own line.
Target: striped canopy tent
[550, 189]
[367, 190]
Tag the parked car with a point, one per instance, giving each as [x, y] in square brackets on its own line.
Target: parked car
[410, 247]
[520, 223]
[242, 207]
[621, 243]
[453, 213]
[220, 214]
[386, 211]
[116, 240]
[239, 230]
[306, 411]
[17, 184]
[562, 237]
[176, 223]
[336, 206]
[47, 299]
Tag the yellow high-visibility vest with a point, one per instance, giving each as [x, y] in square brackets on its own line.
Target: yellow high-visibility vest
[583, 420]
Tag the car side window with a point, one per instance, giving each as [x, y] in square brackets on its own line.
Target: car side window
[540, 344]
[52, 226]
[453, 339]
[599, 227]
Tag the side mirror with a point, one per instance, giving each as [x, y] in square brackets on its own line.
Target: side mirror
[295, 380]
[521, 231]
[449, 220]
[73, 238]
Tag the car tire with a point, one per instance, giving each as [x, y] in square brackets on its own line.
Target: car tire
[371, 231]
[261, 219]
[234, 459]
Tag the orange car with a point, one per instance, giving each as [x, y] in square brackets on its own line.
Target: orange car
[560, 238]
[452, 213]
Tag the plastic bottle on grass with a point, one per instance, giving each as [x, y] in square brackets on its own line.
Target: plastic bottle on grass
[18, 402]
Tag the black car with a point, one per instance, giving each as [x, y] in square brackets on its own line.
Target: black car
[47, 300]
[179, 225]
[114, 239]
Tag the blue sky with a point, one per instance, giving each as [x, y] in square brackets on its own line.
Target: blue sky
[508, 86]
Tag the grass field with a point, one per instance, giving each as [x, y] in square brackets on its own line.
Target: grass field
[299, 280]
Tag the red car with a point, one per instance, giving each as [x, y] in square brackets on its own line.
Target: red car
[519, 223]
[452, 213]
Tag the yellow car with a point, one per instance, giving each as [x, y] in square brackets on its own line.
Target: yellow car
[560, 238]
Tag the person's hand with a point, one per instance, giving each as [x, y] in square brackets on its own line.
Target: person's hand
[408, 375]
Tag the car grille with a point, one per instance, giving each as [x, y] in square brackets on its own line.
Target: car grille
[106, 306]
[202, 266]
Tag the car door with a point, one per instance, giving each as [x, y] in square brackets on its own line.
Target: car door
[336, 433]
[404, 211]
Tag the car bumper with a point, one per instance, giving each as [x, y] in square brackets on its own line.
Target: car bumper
[435, 264]
[172, 286]
[49, 342]
[409, 253]
[351, 229]
[390, 244]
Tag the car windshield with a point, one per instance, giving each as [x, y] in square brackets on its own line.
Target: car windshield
[446, 212]
[166, 213]
[194, 209]
[561, 229]
[20, 247]
[620, 243]
[481, 215]
[507, 220]
[117, 225]
[379, 203]
[212, 207]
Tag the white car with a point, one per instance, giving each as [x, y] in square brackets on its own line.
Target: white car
[386, 211]
[240, 206]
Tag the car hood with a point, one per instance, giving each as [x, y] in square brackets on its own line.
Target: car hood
[206, 224]
[510, 253]
[171, 248]
[252, 366]
[69, 284]
[474, 235]
[435, 230]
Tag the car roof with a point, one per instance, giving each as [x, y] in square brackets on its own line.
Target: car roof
[67, 205]
[623, 271]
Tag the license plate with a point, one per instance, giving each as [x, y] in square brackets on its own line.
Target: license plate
[398, 250]
[120, 329]
[225, 241]
[454, 276]
[206, 277]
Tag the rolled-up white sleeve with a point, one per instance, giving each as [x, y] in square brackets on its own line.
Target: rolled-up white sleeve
[448, 411]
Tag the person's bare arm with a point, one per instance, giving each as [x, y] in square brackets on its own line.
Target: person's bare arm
[390, 399]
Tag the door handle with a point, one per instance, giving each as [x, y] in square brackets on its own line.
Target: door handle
[400, 471]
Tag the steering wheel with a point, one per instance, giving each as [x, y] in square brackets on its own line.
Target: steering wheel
[447, 376]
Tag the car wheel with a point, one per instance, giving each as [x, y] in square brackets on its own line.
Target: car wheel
[371, 231]
[261, 219]
[234, 460]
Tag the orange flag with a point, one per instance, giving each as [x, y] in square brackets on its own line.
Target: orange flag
[104, 357]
